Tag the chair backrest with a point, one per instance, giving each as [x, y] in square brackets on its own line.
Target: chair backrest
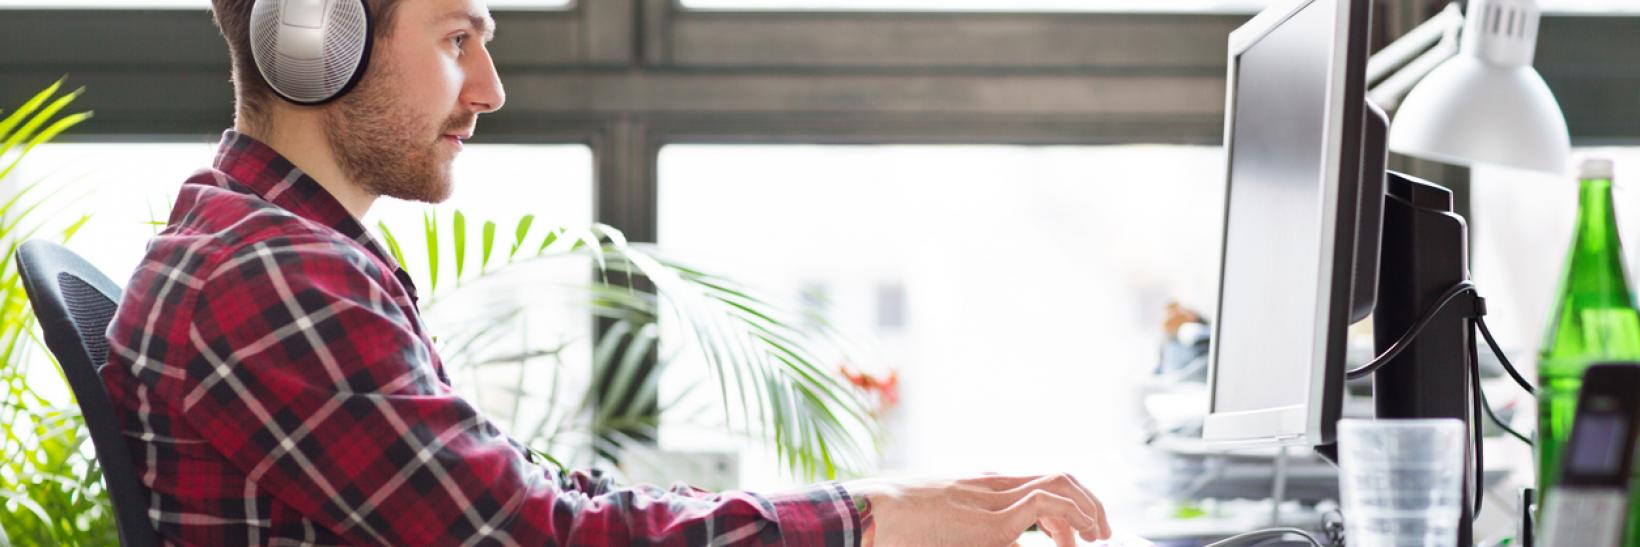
[75, 303]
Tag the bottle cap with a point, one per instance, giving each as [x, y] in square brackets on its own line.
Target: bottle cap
[1595, 168]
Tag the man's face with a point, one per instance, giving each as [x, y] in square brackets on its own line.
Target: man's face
[429, 78]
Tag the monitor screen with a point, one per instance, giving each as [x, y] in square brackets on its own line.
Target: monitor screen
[1289, 233]
[1273, 237]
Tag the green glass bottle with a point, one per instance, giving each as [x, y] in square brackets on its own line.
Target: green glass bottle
[1594, 320]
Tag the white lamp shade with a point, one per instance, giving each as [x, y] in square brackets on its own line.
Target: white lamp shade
[1469, 111]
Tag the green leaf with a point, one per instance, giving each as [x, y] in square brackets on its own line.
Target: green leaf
[154, 221]
[519, 234]
[68, 233]
[551, 237]
[588, 238]
[392, 242]
[27, 131]
[29, 106]
[460, 233]
[489, 243]
[629, 369]
[616, 237]
[50, 132]
[429, 222]
[27, 503]
[559, 466]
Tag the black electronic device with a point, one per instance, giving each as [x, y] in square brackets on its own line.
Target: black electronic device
[1590, 505]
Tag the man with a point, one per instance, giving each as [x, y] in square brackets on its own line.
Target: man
[278, 386]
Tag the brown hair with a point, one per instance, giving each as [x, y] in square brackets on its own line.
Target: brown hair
[251, 92]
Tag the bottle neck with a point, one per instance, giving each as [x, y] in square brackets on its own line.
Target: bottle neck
[1596, 222]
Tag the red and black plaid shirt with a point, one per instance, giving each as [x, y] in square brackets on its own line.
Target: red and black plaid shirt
[277, 387]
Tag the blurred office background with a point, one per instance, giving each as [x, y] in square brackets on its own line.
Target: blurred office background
[996, 199]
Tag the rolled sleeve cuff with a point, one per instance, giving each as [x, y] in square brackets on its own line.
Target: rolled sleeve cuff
[819, 516]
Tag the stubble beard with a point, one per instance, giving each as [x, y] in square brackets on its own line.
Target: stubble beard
[378, 143]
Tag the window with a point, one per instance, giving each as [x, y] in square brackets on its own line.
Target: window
[1018, 291]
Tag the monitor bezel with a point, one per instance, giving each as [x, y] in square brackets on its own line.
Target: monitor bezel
[1314, 421]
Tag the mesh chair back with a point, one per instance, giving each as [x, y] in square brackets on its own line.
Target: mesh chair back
[74, 304]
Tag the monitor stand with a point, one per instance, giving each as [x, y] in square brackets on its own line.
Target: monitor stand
[1425, 253]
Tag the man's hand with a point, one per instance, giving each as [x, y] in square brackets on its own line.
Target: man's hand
[983, 511]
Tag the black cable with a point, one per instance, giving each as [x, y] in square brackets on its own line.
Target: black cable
[1499, 421]
[1479, 405]
[1248, 538]
[1412, 333]
[1507, 366]
[1475, 421]
[1480, 322]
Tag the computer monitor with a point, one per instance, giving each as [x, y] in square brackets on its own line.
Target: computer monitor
[1300, 249]
[1317, 236]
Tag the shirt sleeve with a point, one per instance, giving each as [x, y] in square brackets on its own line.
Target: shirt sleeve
[311, 380]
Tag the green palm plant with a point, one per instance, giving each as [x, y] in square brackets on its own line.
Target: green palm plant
[769, 365]
[51, 490]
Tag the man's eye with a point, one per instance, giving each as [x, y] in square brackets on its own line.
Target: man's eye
[458, 39]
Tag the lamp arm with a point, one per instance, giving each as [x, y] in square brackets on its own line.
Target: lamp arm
[1442, 27]
[1389, 92]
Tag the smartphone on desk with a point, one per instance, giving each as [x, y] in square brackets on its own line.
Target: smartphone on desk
[1590, 505]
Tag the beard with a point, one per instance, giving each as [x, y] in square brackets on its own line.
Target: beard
[381, 145]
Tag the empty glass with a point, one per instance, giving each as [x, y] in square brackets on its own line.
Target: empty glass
[1402, 481]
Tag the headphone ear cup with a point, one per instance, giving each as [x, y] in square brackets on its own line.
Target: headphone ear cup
[310, 51]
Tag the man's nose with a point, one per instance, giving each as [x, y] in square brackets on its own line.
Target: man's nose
[484, 92]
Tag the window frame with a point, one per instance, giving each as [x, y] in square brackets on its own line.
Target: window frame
[627, 77]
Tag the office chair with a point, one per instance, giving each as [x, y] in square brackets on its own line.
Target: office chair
[75, 303]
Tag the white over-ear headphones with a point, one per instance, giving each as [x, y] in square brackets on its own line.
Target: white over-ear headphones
[310, 51]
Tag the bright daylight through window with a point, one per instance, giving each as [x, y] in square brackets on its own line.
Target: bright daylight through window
[1018, 293]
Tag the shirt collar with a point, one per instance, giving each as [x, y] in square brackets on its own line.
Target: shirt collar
[265, 172]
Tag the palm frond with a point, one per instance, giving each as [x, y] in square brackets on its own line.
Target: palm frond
[764, 360]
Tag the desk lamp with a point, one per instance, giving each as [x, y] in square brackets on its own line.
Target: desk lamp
[1472, 96]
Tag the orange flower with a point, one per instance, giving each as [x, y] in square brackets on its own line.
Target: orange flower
[885, 388]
